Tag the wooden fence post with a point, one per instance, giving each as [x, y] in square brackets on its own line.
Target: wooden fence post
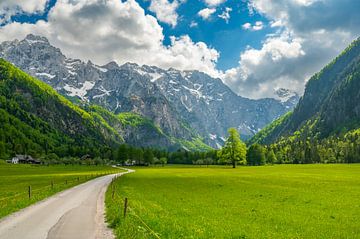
[125, 206]
[29, 191]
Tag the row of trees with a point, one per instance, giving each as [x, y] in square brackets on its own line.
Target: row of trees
[301, 149]
[296, 149]
[147, 156]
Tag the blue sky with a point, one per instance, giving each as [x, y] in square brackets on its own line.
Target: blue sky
[228, 38]
[264, 45]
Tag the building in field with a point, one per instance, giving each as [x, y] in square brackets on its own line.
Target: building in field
[15, 160]
[23, 159]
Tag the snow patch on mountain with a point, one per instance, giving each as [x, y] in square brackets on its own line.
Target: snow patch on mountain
[155, 76]
[101, 68]
[35, 41]
[212, 136]
[45, 74]
[80, 92]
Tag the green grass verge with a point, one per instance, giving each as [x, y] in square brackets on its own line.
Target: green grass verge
[282, 201]
[16, 179]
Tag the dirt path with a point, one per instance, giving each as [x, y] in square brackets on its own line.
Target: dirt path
[76, 213]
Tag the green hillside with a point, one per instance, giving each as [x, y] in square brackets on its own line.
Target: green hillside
[330, 104]
[36, 120]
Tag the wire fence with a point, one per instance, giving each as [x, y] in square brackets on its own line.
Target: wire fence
[29, 192]
[147, 227]
[132, 211]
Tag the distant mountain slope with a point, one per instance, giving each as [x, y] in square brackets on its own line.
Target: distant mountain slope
[330, 105]
[140, 131]
[36, 118]
[183, 104]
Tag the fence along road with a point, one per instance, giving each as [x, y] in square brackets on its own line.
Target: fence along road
[74, 213]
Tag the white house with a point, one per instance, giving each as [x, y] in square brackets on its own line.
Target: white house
[15, 160]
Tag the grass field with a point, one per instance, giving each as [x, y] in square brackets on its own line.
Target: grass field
[16, 179]
[282, 201]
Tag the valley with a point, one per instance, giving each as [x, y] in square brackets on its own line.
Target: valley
[179, 119]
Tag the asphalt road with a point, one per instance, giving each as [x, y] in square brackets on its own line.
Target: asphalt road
[77, 213]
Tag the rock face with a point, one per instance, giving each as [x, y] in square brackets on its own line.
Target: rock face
[182, 103]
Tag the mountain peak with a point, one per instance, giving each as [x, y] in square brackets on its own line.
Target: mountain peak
[284, 95]
[130, 65]
[111, 65]
[31, 38]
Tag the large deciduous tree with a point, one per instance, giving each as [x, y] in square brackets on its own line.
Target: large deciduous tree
[234, 150]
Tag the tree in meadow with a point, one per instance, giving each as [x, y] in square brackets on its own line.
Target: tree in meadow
[234, 150]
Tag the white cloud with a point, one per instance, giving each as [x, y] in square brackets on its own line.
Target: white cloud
[310, 34]
[193, 24]
[257, 65]
[226, 14]
[9, 8]
[259, 25]
[305, 2]
[214, 3]
[206, 13]
[183, 51]
[276, 23]
[246, 26]
[102, 31]
[165, 11]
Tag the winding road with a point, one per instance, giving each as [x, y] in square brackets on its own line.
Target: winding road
[76, 213]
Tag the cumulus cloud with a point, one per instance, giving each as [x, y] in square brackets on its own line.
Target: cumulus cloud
[226, 14]
[9, 8]
[206, 13]
[183, 51]
[258, 25]
[256, 65]
[103, 31]
[311, 33]
[165, 11]
[214, 3]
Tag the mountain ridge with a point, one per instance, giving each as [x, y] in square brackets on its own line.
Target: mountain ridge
[182, 103]
[328, 106]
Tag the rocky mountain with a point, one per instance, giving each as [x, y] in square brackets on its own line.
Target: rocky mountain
[330, 105]
[182, 103]
[34, 118]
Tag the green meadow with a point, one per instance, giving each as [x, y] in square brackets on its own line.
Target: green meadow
[44, 181]
[281, 201]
